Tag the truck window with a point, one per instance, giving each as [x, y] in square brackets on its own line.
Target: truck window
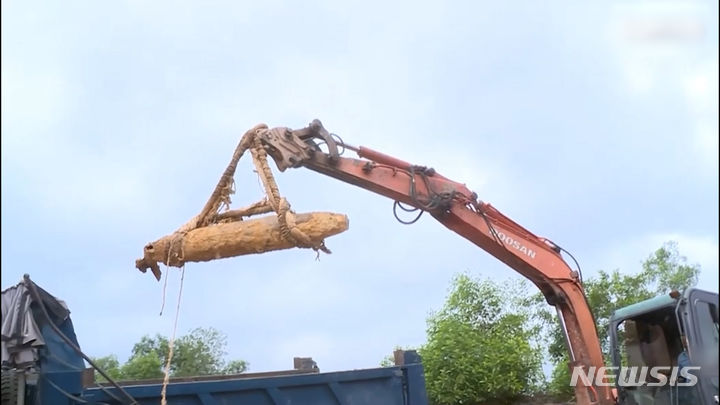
[706, 315]
[707, 318]
[643, 343]
[648, 348]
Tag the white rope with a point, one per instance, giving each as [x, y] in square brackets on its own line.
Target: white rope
[171, 343]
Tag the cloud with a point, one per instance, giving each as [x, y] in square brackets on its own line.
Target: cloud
[34, 100]
[701, 93]
[77, 182]
[57, 170]
[646, 64]
[667, 48]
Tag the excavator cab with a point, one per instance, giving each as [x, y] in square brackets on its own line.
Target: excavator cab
[665, 350]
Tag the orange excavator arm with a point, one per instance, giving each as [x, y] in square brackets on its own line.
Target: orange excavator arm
[457, 208]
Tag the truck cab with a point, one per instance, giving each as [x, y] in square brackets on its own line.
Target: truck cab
[665, 350]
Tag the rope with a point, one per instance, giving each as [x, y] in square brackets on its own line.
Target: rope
[167, 273]
[171, 343]
[260, 207]
[221, 194]
[286, 218]
[274, 201]
[164, 290]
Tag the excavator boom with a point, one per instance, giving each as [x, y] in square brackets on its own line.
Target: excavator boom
[457, 208]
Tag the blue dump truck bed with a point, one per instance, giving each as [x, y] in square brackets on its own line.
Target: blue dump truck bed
[399, 385]
[48, 368]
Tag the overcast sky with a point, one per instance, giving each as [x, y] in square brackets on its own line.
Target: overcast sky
[594, 125]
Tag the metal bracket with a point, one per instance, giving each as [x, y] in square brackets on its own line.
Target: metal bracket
[289, 148]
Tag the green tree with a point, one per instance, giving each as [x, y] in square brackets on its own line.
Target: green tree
[479, 345]
[662, 271]
[142, 367]
[200, 352]
[110, 365]
[235, 367]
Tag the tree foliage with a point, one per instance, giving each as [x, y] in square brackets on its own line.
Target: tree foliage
[110, 365]
[479, 345]
[662, 271]
[200, 352]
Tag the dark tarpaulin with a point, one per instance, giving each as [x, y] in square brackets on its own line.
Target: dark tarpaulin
[27, 338]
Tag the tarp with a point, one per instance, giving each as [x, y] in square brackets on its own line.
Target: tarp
[22, 323]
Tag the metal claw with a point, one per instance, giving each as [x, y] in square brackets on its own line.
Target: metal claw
[289, 148]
